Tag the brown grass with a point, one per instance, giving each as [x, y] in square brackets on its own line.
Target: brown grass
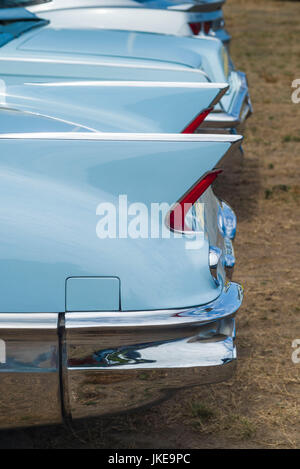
[260, 407]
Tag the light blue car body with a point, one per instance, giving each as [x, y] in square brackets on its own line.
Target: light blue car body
[65, 68]
[102, 106]
[50, 189]
[205, 11]
[212, 12]
[96, 318]
[48, 53]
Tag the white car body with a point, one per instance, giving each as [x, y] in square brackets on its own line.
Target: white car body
[132, 15]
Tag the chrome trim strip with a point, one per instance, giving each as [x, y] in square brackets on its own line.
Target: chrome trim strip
[32, 321]
[225, 305]
[220, 120]
[106, 136]
[227, 227]
[135, 84]
[67, 61]
[229, 258]
[243, 95]
[218, 97]
[241, 109]
[215, 254]
[227, 221]
[120, 361]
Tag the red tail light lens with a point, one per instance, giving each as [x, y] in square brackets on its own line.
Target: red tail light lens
[190, 129]
[207, 26]
[176, 217]
[195, 27]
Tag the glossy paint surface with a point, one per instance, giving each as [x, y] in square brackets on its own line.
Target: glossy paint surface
[74, 46]
[160, 16]
[105, 106]
[203, 6]
[153, 20]
[72, 39]
[18, 67]
[50, 190]
[70, 49]
[92, 294]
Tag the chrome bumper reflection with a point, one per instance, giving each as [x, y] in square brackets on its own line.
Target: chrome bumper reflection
[29, 370]
[241, 109]
[90, 364]
[120, 361]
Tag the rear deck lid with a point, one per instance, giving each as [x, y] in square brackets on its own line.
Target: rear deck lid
[74, 40]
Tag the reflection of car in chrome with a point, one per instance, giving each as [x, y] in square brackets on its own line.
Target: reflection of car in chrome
[2, 351]
[94, 322]
[85, 316]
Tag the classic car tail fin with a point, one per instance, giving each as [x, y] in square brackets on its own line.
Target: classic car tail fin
[176, 218]
[157, 166]
[194, 124]
[118, 106]
[51, 188]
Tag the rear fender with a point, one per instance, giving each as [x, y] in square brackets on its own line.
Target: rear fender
[51, 186]
[110, 106]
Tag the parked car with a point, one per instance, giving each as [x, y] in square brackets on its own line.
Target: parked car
[94, 324]
[116, 256]
[67, 48]
[181, 18]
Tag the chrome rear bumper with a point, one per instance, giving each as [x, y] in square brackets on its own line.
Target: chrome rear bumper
[120, 361]
[29, 370]
[240, 110]
[91, 364]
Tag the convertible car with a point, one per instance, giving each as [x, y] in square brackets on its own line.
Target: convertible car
[62, 46]
[181, 18]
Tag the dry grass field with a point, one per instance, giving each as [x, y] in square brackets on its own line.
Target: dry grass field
[260, 406]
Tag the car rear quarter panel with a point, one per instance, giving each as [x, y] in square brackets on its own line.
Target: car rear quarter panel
[50, 190]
